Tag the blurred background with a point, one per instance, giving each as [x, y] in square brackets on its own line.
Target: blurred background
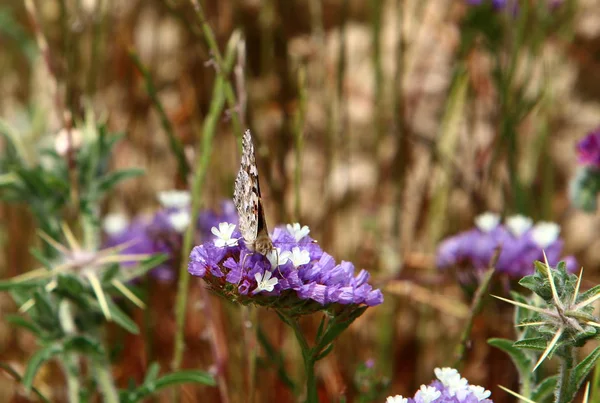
[383, 125]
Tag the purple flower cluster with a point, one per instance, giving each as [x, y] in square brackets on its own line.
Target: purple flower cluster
[449, 387]
[588, 149]
[297, 274]
[521, 243]
[163, 231]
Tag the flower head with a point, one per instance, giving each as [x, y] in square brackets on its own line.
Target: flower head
[519, 242]
[162, 231]
[450, 387]
[306, 280]
[588, 149]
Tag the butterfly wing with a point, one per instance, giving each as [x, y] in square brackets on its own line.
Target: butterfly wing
[246, 195]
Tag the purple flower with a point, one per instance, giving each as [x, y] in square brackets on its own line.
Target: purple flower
[520, 242]
[163, 231]
[588, 149]
[449, 387]
[296, 274]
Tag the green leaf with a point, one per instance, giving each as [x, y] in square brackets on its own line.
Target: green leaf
[122, 319]
[152, 374]
[84, 345]
[545, 389]
[18, 378]
[109, 274]
[534, 343]
[583, 369]
[10, 284]
[21, 322]
[143, 267]
[186, 376]
[522, 361]
[36, 361]
[109, 181]
[324, 352]
[117, 315]
[592, 292]
[71, 285]
[44, 312]
[176, 378]
[338, 324]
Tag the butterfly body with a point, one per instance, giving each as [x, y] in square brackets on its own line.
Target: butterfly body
[247, 200]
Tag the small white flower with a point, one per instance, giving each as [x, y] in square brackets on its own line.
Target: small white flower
[264, 282]
[115, 223]
[223, 235]
[277, 257]
[445, 374]
[396, 399]
[480, 392]
[298, 232]
[174, 198]
[518, 224]
[427, 394]
[180, 220]
[456, 384]
[299, 257]
[487, 221]
[545, 233]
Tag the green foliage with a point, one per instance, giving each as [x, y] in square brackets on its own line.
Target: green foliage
[78, 289]
[153, 383]
[558, 321]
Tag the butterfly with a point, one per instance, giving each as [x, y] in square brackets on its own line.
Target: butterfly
[246, 197]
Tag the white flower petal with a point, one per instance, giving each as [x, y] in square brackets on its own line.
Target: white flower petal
[446, 374]
[428, 394]
[480, 392]
[115, 223]
[264, 282]
[180, 220]
[518, 224]
[396, 399]
[174, 198]
[487, 221]
[298, 232]
[545, 233]
[299, 257]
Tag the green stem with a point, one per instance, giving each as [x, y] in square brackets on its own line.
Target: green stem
[308, 357]
[105, 381]
[205, 150]
[562, 393]
[311, 381]
[70, 361]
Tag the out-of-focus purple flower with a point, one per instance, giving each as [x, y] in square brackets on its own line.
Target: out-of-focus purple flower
[588, 149]
[297, 274]
[520, 242]
[163, 231]
[209, 218]
[449, 387]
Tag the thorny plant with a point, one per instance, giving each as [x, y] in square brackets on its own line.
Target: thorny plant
[555, 321]
[70, 299]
